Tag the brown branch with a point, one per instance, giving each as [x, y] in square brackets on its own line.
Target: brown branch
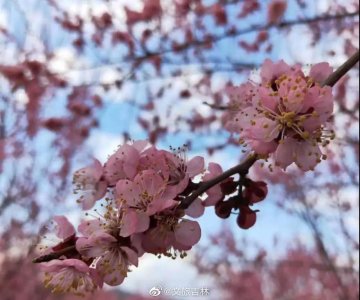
[214, 106]
[342, 70]
[53, 255]
[241, 169]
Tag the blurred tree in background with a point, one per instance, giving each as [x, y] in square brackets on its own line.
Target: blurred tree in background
[72, 72]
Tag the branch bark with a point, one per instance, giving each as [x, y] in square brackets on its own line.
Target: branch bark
[241, 169]
[342, 70]
[53, 255]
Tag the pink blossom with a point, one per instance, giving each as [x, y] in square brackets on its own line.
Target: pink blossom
[180, 170]
[89, 184]
[276, 10]
[110, 253]
[142, 198]
[154, 159]
[69, 275]
[171, 235]
[285, 115]
[111, 258]
[196, 209]
[122, 164]
[64, 228]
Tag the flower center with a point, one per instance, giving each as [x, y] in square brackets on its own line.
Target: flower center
[287, 119]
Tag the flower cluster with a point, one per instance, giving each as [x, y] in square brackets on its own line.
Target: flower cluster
[142, 188]
[284, 115]
[147, 195]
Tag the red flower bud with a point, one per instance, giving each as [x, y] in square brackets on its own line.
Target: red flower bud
[246, 218]
[223, 209]
[256, 191]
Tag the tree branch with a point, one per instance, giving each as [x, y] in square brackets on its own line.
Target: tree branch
[242, 169]
[53, 255]
[342, 70]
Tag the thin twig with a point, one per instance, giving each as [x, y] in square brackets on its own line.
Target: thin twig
[242, 169]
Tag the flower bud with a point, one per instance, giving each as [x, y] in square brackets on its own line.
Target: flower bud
[223, 209]
[246, 218]
[256, 191]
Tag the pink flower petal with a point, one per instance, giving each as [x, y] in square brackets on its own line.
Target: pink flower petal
[96, 245]
[150, 182]
[196, 209]
[64, 228]
[128, 191]
[122, 164]
[267, 99]
[56, 265]
[270, 71]
[136, 242]
[308, 155]
[263, 129]
[114, 278]
[188, 232]
[140, 145]
[87, 227]
[319, 72]
[159, 205]
[132, 256]
[131, 160]
[195, 166]
[214, 196]
[285, 153]
[134, 222]
[152, 244]
[263, 147]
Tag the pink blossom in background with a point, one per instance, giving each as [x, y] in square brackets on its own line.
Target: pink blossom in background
[276, 10]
